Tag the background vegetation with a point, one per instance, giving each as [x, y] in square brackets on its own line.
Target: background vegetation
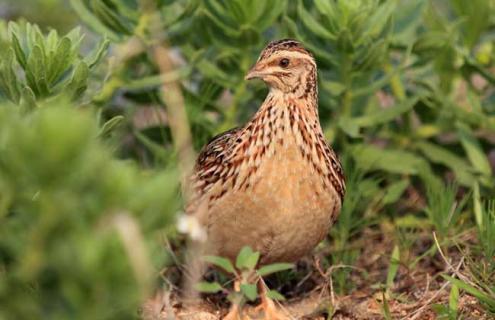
[102, 104]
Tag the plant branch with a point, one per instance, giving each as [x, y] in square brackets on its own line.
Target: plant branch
[171, 92]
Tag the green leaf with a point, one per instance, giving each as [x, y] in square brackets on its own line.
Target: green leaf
[475, 16]
[321, 53]
[19, 53]
[221, 262]
[370, 157]
[325, 7]
[30, 35]
[335, 88]
[60, 61]
[111, 125]
[28, 97]
[273, 268]
[208, 287]
[270, 13]
[395, 191]
[393, 267]
[97, 53]
[157, 80]
[9, 84]
[93, 22]
[247, 259]
[275, 295]
[111, 17]
[221, 18]
[477, 208]
[36, 72]
[453, 302]
[430, 42]
[372, 56]
[236, 10]
[385, 115]
[78, 82]
[159, 152]
[441, 311]
[473, 150]
[379, 18]
[210, 70]
[250, 291]
[407, 20]
[52, 41]
[486, 232]
[75, 36]
[478, 294]
[411, 222]
[439, 154]
[314, 26]
[349, 126]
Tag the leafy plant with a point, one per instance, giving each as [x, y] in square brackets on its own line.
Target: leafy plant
[74, 220]
[449, 312]
[51, 65]
[486, 235]
[351, 221]
[246, 276]
[487, 298]
[480, 264]
[392, 269]
[348, 36]
[443, 210]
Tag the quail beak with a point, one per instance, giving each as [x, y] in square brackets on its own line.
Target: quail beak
[254, 73]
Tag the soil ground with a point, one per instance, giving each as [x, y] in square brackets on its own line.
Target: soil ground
[415, 294]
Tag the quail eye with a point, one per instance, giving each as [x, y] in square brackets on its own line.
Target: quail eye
[284, 63]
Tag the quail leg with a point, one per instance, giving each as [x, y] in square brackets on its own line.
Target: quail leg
[234, 312]
[270, 311]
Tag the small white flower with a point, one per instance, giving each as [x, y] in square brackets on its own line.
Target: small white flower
[190, 225]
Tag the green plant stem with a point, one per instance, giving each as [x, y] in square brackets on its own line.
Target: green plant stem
[346, 76]
[118, 65]
[347, 102]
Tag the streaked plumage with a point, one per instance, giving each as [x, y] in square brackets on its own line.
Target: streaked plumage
[273, 184]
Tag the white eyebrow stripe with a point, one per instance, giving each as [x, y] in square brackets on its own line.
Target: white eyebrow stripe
[297, 55]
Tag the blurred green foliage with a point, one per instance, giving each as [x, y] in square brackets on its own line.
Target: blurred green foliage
[45, 13]
[406, 97]
[63, 201]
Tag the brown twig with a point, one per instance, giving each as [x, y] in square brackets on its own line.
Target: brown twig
[455, 271]
[328, 275]
[449, 265]
[171, 94]
[134, 245]
[427, 303]
[152, 34]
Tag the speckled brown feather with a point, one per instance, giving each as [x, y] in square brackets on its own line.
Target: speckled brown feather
[246, 178]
